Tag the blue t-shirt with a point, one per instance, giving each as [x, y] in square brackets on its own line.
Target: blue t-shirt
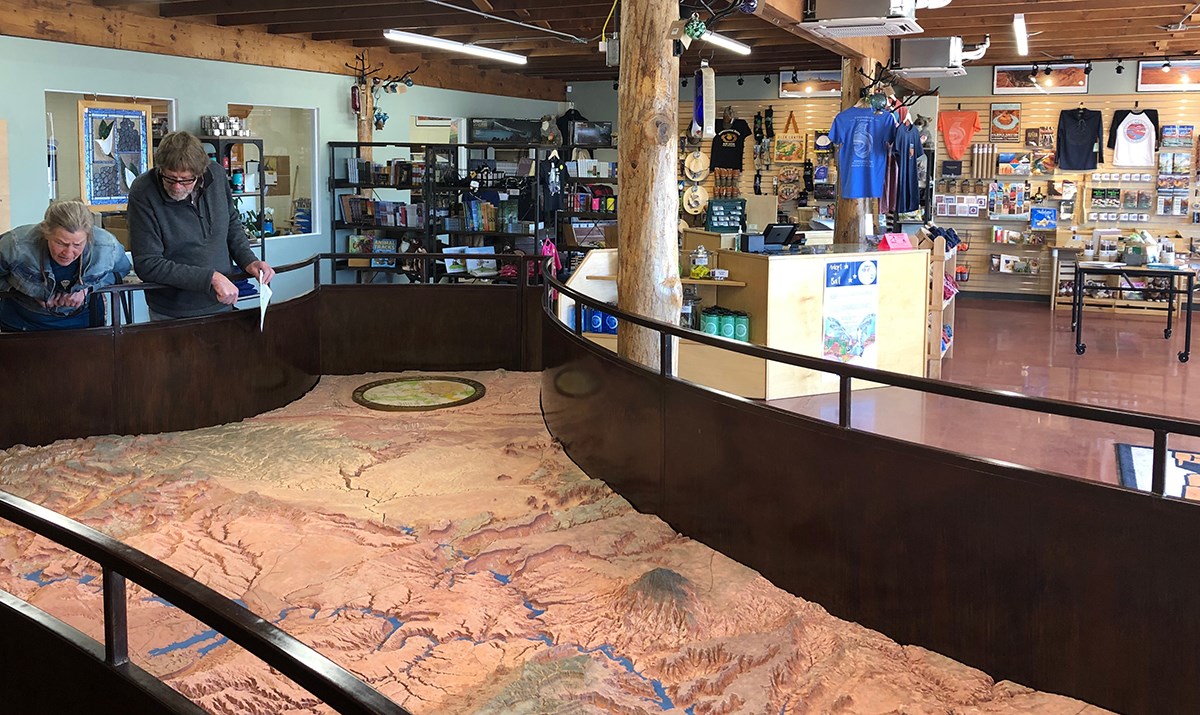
[907, 150]
[16, 317]
[862, 136]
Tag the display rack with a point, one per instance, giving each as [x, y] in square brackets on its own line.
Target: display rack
[368, 204]
[222, 151]
[942, 263]
[1102, 297]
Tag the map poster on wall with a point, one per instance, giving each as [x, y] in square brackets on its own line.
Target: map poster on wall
[850, 312]
[1005, 126]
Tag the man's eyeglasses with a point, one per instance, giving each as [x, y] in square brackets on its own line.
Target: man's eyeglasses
[177, 182]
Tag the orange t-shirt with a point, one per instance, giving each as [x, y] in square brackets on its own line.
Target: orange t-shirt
[957, 128]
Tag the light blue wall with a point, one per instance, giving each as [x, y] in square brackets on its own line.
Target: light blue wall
[597, 100]
[31, 67]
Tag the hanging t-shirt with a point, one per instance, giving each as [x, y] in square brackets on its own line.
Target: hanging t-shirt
[862, 136]
[554, 180]
[729, 145]
[957, 128]
[908, 152]
[1080, 145]
[1133, 137]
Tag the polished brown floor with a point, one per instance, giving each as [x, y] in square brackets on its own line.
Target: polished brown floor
[1021, 346]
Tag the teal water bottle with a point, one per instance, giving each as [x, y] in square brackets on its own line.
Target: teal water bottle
[741, 327]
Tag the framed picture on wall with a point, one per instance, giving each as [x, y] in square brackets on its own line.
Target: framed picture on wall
[1028, 79]
[114, 149]
[1177, 78]
[1005, 124]
[820, 83]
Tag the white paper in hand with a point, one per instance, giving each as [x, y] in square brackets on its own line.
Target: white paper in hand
[264, 299]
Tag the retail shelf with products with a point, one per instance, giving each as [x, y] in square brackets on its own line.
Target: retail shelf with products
[1100, 297]
[230, 153]
[940, 330]
[1043, 111]
[379, 190]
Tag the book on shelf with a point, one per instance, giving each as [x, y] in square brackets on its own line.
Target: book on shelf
[384, 245]
[480, 267]
[455, 264]
[360, 243]
[362, 210]
[396, 172]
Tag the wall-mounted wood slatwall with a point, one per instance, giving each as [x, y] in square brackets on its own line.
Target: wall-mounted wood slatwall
[1043, 111]
[811, 115]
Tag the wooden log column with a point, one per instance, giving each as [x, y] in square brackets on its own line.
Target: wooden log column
[852, 217]
[648, 154]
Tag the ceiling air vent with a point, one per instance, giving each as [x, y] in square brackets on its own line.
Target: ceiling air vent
[839, 19]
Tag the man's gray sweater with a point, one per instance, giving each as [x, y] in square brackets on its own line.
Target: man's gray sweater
[180, 243]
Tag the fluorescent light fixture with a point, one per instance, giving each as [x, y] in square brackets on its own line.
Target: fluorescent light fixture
[412, 38]
[1022, 35]
[727, 43]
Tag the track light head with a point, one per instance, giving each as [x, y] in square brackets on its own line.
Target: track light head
[614, 85]
[795, 78]
[741, 80]
[766, 79]
[684, 82]
[1048, 70]
[1120, 66]
[1087, 68]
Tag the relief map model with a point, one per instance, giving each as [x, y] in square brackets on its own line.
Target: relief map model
[457, 561]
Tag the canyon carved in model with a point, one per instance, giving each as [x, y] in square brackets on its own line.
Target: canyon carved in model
[458, 562]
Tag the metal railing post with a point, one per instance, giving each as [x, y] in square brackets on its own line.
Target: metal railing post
[116, 634]
[844, 400]
[666, 350]
[1158, 478]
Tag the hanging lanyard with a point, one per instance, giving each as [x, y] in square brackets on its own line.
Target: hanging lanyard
[791, 125]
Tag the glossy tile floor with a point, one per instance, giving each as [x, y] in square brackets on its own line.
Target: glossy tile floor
[1021, 346]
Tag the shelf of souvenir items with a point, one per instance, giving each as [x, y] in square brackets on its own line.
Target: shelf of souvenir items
[1101, 295]
[944, 245]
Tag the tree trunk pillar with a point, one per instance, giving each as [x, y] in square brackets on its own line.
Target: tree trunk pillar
[648, 156]
[852, 217]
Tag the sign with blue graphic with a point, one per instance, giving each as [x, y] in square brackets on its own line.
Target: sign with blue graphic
[851, 273]
[850, 312]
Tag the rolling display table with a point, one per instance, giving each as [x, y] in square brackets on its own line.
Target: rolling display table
[1084, 269]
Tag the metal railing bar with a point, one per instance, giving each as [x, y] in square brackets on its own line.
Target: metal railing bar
[1096, 413]
[309, 669]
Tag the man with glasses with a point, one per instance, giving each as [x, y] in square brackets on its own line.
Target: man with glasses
[186, 233]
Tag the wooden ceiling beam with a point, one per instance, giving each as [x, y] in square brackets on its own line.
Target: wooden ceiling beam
[967, 8]
[388, 13]
[197, 8]
[786, 14]
[83, 24]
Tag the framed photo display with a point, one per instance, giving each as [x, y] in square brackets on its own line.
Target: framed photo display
[1026, 79]
[114, 149]
[1005, 124]
[809, 83]
[1152, 78]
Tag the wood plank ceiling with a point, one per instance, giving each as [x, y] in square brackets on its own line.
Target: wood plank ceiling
[1079, 29]
[362, 22]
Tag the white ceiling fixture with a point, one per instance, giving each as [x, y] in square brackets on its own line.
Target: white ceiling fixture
[861, 18]
[412, 38]
[725, 42]
[1021, 33]
[932, 4]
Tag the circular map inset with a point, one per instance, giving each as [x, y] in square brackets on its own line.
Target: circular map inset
[418, 393]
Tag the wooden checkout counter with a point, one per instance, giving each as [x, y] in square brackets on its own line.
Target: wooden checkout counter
[784, 296]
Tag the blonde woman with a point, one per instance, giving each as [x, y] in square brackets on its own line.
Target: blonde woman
[51, 268]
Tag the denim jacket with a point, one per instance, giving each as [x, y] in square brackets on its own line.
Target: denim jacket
[26, 267]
